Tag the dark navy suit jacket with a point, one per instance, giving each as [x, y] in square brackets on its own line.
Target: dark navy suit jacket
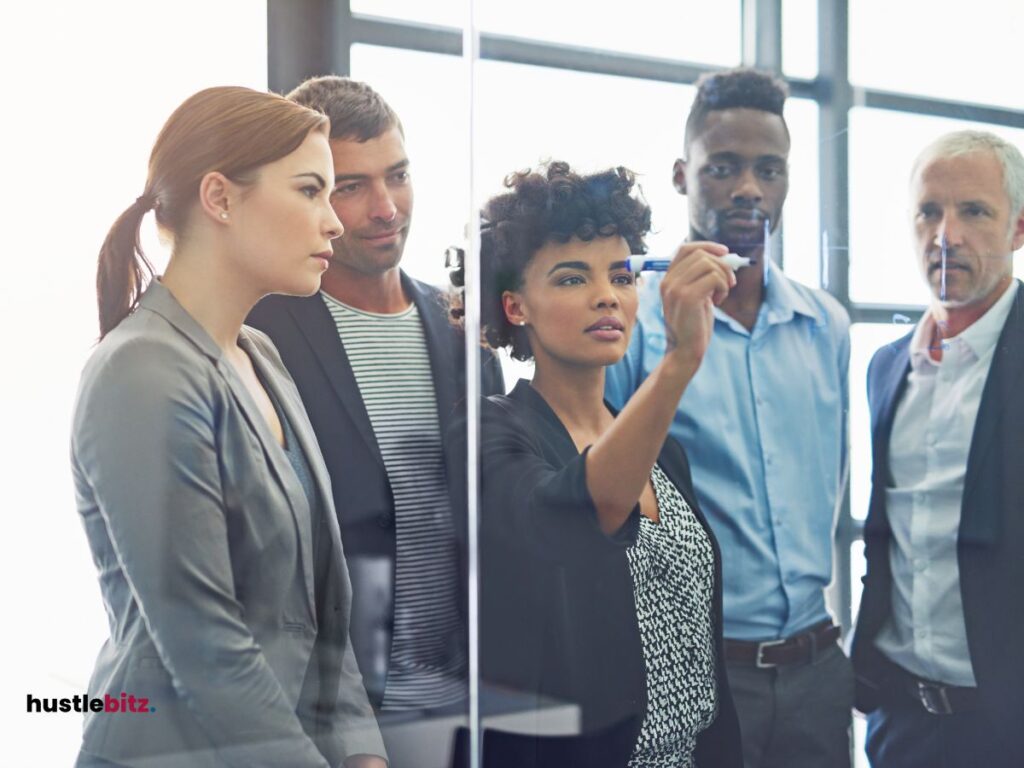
[990, 547]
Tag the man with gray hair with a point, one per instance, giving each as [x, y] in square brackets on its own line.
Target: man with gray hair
[935, 648]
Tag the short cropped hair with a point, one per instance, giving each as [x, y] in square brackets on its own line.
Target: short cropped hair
[967, 142]
[356, 111]
[549, 204]
[739, 88]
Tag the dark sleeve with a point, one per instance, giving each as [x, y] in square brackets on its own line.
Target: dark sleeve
[492, 382]
[532, 502]
[674, 456]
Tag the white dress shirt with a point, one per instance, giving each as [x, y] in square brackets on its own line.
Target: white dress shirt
[931, 437]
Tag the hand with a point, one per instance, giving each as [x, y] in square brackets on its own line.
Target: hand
[696, 280]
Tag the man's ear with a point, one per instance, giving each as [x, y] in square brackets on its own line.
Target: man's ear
[1018, 231]
[512, 302]
[679, 176]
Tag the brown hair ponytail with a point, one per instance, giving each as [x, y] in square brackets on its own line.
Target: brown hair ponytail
[123, 267]
[228, 129]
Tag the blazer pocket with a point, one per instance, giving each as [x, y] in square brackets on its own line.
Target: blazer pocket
[151, 668]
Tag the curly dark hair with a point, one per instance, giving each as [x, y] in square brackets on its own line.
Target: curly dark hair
[739, 88]
[549, 204]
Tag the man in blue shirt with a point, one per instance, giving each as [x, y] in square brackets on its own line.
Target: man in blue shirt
[764, 425]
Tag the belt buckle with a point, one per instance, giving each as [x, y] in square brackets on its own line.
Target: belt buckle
[933, 698]
[759, 661]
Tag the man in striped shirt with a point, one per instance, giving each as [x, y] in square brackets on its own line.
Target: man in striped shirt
[380, 370]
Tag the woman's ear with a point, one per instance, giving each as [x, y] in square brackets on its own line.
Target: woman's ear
[512, 301]
[216, 194]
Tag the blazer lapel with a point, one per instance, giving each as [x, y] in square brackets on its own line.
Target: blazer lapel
[563, 444]
[317, 325]
[979, 521]
[272, 449]
[892, 381]
[891, 388]
[438, 335]
[160, 300]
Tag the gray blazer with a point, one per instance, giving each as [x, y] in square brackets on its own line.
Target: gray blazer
[200, 531]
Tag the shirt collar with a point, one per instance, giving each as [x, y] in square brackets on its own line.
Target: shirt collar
[158, 298]
[782, 300]
[979, 338]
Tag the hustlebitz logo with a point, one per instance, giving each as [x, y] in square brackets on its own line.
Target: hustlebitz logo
[126, 703]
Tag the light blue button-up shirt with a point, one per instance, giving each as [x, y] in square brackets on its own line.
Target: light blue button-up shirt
[763, 423]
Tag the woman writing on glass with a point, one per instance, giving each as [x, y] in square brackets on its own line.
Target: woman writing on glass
[601, 581]
[198, 479]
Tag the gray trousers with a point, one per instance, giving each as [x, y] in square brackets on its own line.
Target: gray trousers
[795, 716]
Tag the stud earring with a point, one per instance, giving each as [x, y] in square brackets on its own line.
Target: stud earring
[522, 322]
[224, 215]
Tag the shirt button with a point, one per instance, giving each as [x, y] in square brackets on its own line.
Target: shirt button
[919, 563]
[768, 460]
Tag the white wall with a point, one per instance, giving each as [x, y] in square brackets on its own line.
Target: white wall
[88, 86]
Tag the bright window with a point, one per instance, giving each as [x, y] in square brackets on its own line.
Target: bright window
[801, 219]
[95, 83]
[524, 115]
[962, 52]
[800, 38]
[685, 30]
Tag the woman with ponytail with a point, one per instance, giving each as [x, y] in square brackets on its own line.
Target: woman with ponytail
[197, 474]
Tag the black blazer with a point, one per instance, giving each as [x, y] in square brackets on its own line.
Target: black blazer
[990, 547]
[307, 338]
[558, 616]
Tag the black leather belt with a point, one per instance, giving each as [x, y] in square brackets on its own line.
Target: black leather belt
[797, 649]
[936, 698]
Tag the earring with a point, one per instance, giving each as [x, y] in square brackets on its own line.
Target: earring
[224, 215]
[522, 322]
